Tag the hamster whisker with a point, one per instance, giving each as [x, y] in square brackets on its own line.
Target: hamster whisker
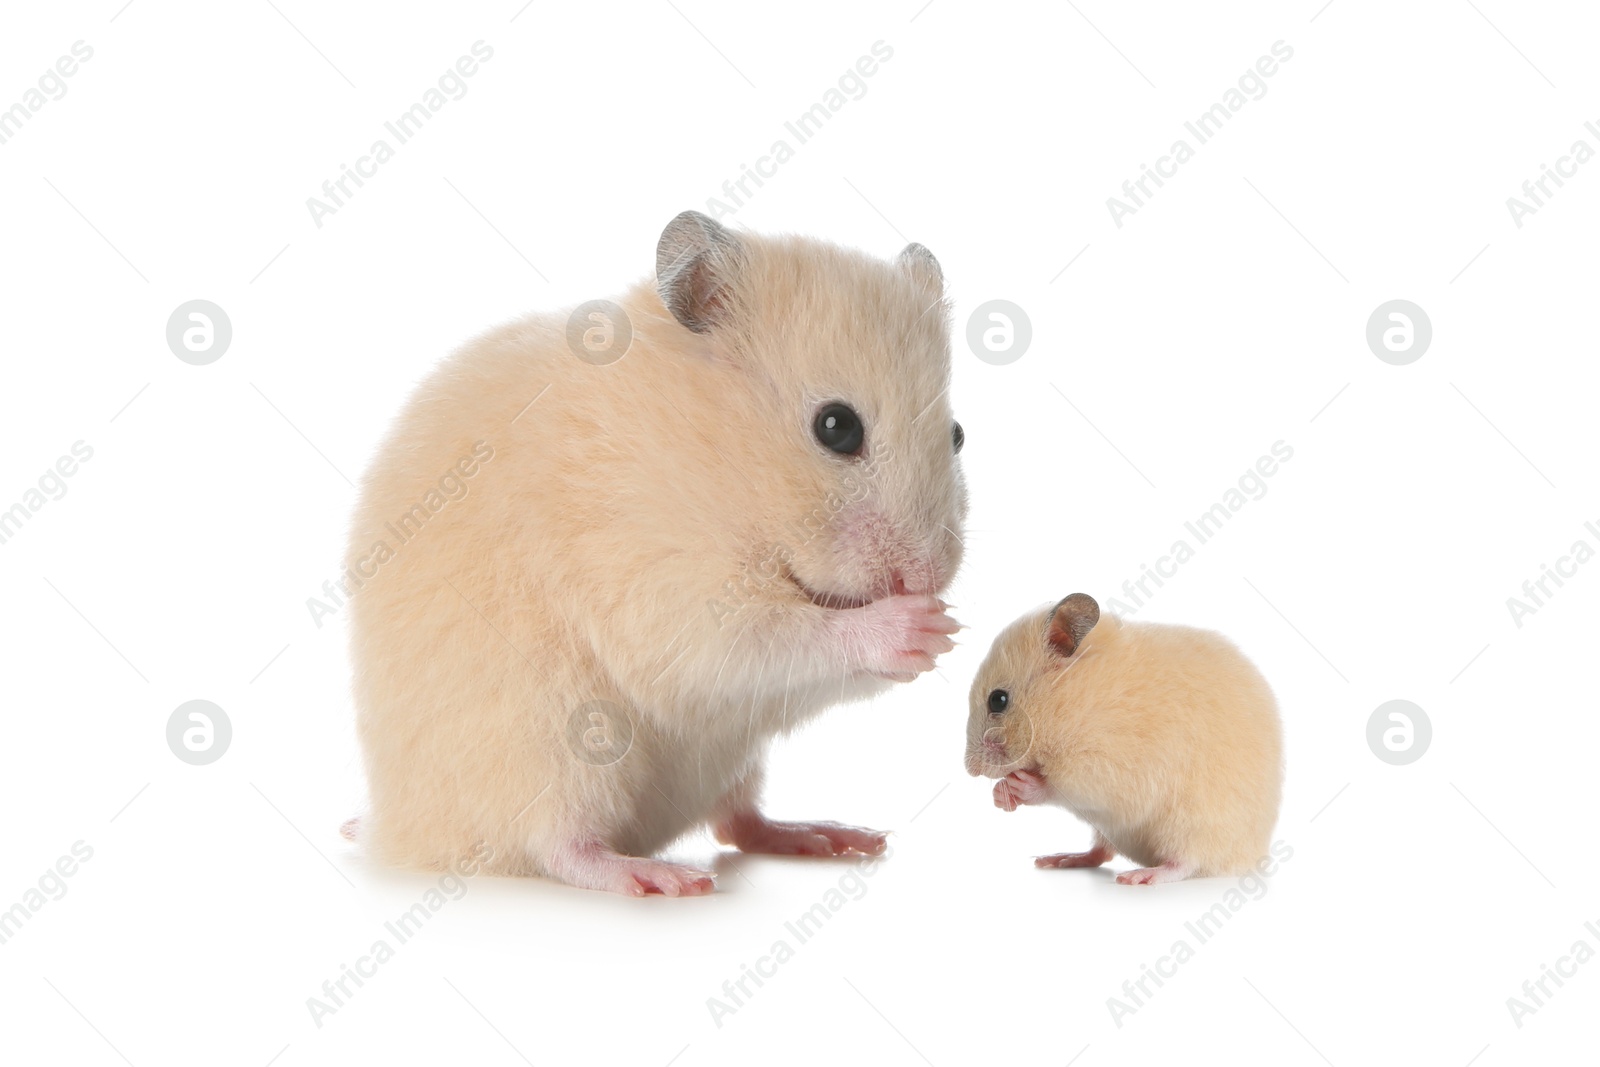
[716, 682]
[938, 303]
[759, 690]
[788, 680]
[674, 640]
[942, 393]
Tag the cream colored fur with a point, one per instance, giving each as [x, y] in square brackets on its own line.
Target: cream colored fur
[1165, 739]
[618, 546]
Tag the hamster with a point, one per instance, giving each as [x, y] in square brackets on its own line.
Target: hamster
[1165, 739]
[644, 566]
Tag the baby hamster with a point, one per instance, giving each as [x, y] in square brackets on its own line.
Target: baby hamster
[1164, 739]
[661, 555]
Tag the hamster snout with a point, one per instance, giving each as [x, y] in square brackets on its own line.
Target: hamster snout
[875, 556]
[992, 752]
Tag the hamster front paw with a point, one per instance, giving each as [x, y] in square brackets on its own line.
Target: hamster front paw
[1020, 787]
[897, 638]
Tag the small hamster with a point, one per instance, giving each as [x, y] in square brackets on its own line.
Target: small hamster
[676, 525]
[1164, 739]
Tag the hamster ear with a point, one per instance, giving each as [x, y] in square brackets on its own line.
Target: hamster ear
[1071, 622]
[918, 262]
[693, 270]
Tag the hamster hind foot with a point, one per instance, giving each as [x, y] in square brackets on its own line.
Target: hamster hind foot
[592, 865]
[1171, 871]
[1099, 854]
[754, 832]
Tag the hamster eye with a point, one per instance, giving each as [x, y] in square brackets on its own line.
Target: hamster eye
[838, 429]
[958, 436]
[999, 700]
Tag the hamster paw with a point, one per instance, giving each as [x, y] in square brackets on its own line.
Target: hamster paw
[897, 638]
[1171, 871]
[1020, 787]
[759, 834]
[593, 866]
[1100, 853]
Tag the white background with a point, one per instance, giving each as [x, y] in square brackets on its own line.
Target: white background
[1227, 314]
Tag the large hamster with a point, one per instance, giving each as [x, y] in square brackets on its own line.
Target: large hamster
[646, 567]
[1164, 739]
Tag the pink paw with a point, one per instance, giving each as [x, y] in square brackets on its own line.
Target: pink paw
[593, 866]
[800, 838]
[1093, 858]
[1167, 872]
[1020, 787]
[669, 879]
[898, 637]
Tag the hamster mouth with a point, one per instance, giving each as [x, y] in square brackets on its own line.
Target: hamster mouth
[988, 759]
[831, 601]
